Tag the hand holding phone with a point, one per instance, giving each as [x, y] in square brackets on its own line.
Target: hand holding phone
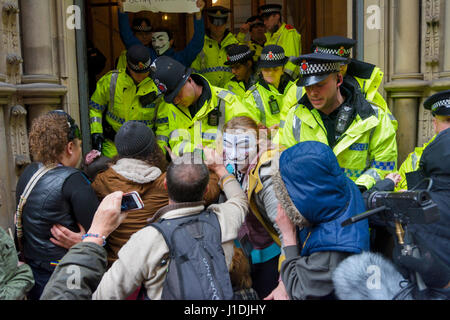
[131, 201]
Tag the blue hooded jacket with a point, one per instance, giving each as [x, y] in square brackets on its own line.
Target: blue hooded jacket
[325, 197]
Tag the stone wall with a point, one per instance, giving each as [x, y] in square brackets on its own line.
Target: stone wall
[38, 72]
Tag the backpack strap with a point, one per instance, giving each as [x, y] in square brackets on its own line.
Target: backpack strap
[23, 199]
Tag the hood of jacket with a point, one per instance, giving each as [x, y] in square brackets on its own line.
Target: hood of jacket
[136, 170]
[317, 195]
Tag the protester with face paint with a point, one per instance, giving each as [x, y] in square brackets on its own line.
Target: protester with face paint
[248, 154]
[161, 43]
[267, 95]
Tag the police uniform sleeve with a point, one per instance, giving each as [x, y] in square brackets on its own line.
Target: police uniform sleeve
[162, 129]
[99, 103]
[286, 135]
[292, 47]
[382, 152]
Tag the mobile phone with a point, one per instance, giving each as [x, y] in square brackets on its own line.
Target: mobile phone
[131, 201]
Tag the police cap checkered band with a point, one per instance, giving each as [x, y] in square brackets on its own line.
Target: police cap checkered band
[142, 28]
[439, 103]
[272, 56]
[239, 56]
[140, 66]
[269, 9]
[318, 68]
[442, 103]
[342, 52]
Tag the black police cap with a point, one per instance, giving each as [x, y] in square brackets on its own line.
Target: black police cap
[237, 54]
[337, 45]
[169, 76]
[272, 56]
[439, 103]
[138, 58]
[269, 9]
[315, 67]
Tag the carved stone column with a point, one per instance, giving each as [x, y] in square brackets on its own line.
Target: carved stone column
[406, 85]
[37, 42]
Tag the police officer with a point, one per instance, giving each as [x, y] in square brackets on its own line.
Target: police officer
[335, 113]
[123, 95]
[210, 61]
[281, 34]
[196, 109]
[439, 105]
[257, 29]
[240, 60]
[268, 93]
[367, 77]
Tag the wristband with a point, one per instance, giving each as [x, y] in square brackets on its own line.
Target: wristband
[94, 235]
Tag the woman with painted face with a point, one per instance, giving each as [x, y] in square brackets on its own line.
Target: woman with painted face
[267, 95]
[248, 154]
[160, 41]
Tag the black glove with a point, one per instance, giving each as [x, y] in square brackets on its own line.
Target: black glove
[97, 141]
[433, 271]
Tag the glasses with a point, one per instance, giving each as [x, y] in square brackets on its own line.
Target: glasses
[74, 131]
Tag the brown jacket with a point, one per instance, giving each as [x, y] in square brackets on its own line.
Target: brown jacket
[136, 175]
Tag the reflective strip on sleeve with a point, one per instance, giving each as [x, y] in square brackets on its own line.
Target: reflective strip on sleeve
[373, 173]
[162, 138]
[260, 105]
[209, 136]
[95, 119]
[296, 128]
[112, 89]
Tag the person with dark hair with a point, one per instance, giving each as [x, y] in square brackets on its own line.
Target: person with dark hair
[140, 166]
[145, 258]
[281, 34]
[127, 94]
[267, 94]
[62, 195]
[239, 58]
[257, 29]
[160, 42]
[210, 62]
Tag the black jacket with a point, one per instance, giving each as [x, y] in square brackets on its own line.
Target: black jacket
[53, 201]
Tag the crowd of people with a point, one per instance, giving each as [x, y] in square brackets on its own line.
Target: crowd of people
[248, 157]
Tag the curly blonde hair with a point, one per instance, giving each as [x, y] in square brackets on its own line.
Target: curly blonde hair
[48, 138]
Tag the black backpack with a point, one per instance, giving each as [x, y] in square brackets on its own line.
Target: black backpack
[197, 268]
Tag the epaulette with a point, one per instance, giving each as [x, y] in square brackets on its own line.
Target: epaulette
[289, 27]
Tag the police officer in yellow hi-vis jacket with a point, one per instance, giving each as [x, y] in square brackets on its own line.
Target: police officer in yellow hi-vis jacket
[439, 105]
[281, 34]
[366, 75]
[123, 95]
[240, 60]
[266, 97]
[210, 61]
[334, 112]
[197, 110]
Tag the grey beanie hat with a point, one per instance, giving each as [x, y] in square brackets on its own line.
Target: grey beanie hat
[134, 139]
